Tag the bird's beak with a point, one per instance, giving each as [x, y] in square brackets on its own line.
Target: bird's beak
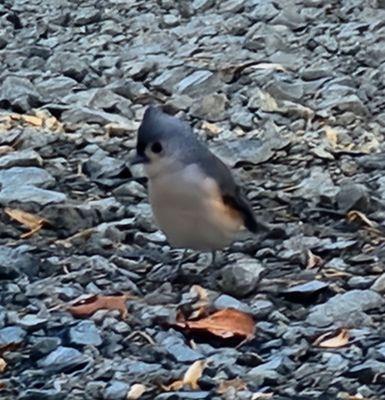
[138, 159]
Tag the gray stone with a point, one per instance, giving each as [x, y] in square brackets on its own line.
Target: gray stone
[116, 390]
[168, 79]
[197, 82]
[32, 322]
[212, 107]
[243, 150]
[43, 394]
[179, 351]
[379, 284]
[22, 158]
[85, 333]
[170, 20]
[202, 5]
[281, 90]
[100, 165]
[26, 194]
[12, 335]
[19, 92]
[270, 370]
[85, 114]
[56, 88]
[130, 189]
[360, 282]
[305, 290]
[242, 277]
[17, 176]
[261, 308]
[63, 359]
[226, 301]
[181, 395]
[86, 15]
[43, 346]
[347, 309]
[319, 184]
[68, 63]
[353, 196]
[244, 119]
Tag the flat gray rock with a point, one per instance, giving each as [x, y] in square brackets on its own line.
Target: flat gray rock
[30, 194]
[17, 176]
[85, 333]
[346, 310]
[21, 158]
[63, 359]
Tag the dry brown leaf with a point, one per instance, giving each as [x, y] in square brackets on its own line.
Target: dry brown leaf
[136, 391]
[193, 374]
[3, 365]
[226, 323]
[361, 217]
[313, 261]
[331, 135]
[87, 307]
[33, 222]
[262, 396]
[272, 66]
[200, 292]
[211, 128]
[334, 342]
[6, 149]
[173, 387]
[32, 120]
[237, 384]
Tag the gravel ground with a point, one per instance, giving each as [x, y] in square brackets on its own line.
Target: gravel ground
[291, 95]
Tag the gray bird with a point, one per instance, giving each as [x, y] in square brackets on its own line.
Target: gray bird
[193, 195]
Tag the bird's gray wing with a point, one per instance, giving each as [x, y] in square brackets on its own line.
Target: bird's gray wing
[232, 194]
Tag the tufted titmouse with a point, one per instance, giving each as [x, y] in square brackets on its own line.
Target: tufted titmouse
[193, 195]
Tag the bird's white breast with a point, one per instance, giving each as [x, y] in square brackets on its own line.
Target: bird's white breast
[188, 207]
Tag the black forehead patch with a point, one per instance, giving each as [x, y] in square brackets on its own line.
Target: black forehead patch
[157, 125]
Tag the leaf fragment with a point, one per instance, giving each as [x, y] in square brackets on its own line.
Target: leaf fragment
[3, 365]
[313, 261]
[262, 396]
[33, 222]
[236, 384]
[211, 128]
[85, 307]
[334, 342]
[331, 135]
[226, 323]
[136, 391]
[361, 217]
[193, 374]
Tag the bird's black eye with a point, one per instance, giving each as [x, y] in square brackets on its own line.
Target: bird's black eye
[156, 147]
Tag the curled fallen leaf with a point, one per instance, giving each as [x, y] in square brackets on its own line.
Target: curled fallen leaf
[226, 323]
[3, 365]
[262, 396]
[33, 222]
[190, 378]
[331, 135]
[333, 342]
[212, 129]
[361, 217]
[173, 387]
[86, 307]
[136, 391]
[236, 384]
[193, 374]
[5, 149]
[313, 261]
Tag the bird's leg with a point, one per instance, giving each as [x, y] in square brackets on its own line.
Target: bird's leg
[213, 258]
